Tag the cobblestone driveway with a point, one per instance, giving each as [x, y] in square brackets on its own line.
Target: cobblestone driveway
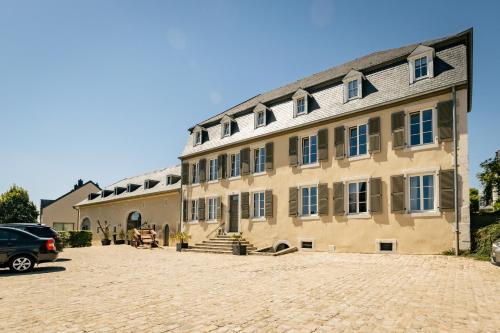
[121, 289]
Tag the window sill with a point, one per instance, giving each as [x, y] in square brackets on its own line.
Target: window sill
[425, 146]
[258, 219]
[421, 78]
[192, 222]
[194, 185]
[257, 174]
[212, 221]
[429, 213]
[359, 157]
[234, 178]
[359, 216]
[310, 166]
[353, 98]
[213, 181]
[308, 217]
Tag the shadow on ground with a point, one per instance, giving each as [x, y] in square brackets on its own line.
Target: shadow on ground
[36, 270]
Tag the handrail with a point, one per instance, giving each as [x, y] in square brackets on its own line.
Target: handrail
[218, 228]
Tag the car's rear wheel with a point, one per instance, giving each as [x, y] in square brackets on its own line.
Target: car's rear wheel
[22, 263]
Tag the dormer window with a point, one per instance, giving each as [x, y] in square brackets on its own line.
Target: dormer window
[353, 85]
[150, 183]
[261, 118]
[300, 102]
[260, 112]
[172, 179]
[421, 63]
[198, 135]
[226, 126]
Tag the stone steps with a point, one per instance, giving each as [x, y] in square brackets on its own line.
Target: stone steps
[220, 244]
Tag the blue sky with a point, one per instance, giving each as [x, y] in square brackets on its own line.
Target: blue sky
[106, 89]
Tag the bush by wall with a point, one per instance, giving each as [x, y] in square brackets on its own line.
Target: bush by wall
[484, 237]
[80, 238]
[63, 240]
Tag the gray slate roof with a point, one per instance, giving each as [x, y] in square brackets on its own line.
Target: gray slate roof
[385, 71]
[161, 187]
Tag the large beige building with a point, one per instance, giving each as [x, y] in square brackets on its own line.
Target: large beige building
[60, 213]
[151, 199]
[358, 158]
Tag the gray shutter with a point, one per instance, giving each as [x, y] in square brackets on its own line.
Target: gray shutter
[203, 171]
[398, 204]
[245, 161]
[185, 173]
[339, 139]
[269, 203]
[184, 210]
[245, 206]
[376, 195]
[338, 198]
[323, 144]
[293, 204]
[293, 147]
[446, 189]
[219, 208]
[323, 199]
[269, 156]
[222, 166]
[445, 120]
[201, 209]
[374, 135]
[398, 130]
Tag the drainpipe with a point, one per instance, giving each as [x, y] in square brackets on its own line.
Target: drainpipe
[455, 167]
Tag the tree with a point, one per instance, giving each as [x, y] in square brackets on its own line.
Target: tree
[490, 178]
[473, 200]
[16, 207]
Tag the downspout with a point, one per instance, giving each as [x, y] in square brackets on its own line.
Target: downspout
[455, 169]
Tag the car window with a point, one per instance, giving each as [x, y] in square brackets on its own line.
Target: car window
[19, 237]
[4, 236]
[41, 231]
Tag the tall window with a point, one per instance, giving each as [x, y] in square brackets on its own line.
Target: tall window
[309, 200]
[212, 209]
[226, 129]
[352, 89]
[309, 150]
[261, 119]
[194, 210]
[259, 164]
[258, 204]
[421, 128]
[301, 105]
[195, 173]
[420, 67]
[235, 165]
[198, 138]
[357, 140]
[421, 193]
[212, 172]
[357, 198]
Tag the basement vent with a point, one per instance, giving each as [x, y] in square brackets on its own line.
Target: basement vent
[386, 245]
[307, 244]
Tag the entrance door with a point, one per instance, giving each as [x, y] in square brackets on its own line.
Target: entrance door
[233, 213]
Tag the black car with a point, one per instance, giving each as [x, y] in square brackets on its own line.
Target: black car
[20, 250]
[39, 230]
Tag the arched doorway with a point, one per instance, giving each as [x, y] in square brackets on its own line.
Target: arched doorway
[166, 235]
[85, 224]
[134, 220]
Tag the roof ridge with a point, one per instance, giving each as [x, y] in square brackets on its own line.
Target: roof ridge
[143, 174]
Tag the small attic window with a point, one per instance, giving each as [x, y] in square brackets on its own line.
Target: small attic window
[132, 187]
[421, 63]
[198, 137]
[119, 190]
[106, 193]
[92, 196]
[260, 112]
[150, 183]
[172, 179]
[226, 126]
[300, 102]
[353, 85]
[301, 106]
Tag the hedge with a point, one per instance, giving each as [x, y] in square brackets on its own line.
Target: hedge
[76, 238]
[484, 237]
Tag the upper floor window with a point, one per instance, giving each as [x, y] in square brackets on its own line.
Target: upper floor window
[301, 106]
[258, 205]
[195, 173]
[198, 137]
[421, 193]
[261, 119]
[357, 197]
[212, 209]
[421, 128]
[352, 85]
[309, 201]
[194, 210]
[357, 140]
[420, 68]
[226, 129]
[212, 171]
[259, 164]
[310, 150]
[300, 102]
[421, 63]
[235, 165]
[352, 89]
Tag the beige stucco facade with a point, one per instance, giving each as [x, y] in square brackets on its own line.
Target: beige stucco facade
[422, 233]
[62, 211]
[160, 211]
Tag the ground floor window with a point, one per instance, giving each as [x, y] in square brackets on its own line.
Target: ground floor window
[258, 205]
[63, 226]
[85, 224]
[421, 193]
[357, 197]
[212, 209]
[309, 200]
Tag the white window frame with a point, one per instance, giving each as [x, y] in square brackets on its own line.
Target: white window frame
[421, 199]
[264, 120]
[257, 160]
[434, 127]
[198, 138]
[348, 90]
[213, 170]
[261, 209]
[212, 209]
[226, 125]
[357, 182]
[237, 165]
[194, 210]
[302, 96]
[357, 140]
[302, 99]
[429, 54]
[308, 137]
[195, 171]
[301, 210]
[352, 76]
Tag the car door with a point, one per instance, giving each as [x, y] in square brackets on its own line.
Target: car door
[4, 248]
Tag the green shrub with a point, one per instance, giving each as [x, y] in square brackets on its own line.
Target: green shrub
[63, 240]
[484, 237]
[496, 206]
[80, 238]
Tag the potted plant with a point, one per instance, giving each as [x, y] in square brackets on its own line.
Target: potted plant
[121, 238]
[106, 240]
[182, 239]
[238, 248]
